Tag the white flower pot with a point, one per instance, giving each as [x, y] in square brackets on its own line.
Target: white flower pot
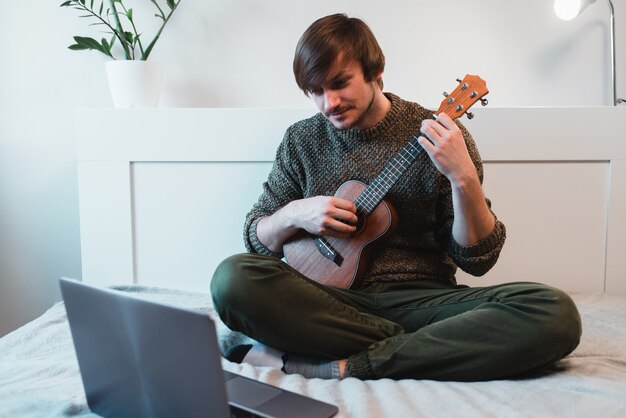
[135, 83]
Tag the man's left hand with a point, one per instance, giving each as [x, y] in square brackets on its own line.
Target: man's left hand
[446, 147]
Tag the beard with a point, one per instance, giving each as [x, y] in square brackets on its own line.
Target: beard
[361, 116]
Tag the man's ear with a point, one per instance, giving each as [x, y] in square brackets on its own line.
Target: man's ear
[379, 80]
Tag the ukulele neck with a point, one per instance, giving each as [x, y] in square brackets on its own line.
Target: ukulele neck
[394, 169]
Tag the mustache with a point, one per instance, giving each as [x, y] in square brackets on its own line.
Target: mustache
[336, 111]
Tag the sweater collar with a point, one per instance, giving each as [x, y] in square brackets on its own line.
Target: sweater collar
[375, 131]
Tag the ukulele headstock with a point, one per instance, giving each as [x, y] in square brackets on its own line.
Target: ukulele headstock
[470, 90]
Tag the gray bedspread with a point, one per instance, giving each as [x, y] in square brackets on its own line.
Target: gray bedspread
[39, 374]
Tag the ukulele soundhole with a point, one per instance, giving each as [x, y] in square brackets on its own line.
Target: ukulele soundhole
[360, 224]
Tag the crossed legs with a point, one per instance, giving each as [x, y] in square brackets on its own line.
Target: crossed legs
[416, 329]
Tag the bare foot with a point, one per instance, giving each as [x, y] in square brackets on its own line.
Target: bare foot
[342, 368]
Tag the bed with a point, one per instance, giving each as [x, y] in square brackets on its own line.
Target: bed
[158, 211]
[39, 374]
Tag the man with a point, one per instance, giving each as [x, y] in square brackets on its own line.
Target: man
[409, 318]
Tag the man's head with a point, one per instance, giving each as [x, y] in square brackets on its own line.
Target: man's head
[339, 64]
[328, 38]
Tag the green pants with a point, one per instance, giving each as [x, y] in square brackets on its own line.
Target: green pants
[418, 329]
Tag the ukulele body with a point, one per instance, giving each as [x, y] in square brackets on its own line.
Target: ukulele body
[303, 255]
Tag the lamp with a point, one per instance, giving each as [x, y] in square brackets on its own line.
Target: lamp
[569, 9]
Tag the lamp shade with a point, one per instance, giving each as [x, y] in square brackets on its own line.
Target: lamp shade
[569, 9]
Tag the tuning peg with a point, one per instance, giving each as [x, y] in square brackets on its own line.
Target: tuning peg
[484, 102]
[470, 115]
[458, 80]
[459, 108]
[445, 94]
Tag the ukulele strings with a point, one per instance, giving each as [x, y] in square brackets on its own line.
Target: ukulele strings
[391, 173]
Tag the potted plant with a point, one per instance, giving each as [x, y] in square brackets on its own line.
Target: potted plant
[133, 81]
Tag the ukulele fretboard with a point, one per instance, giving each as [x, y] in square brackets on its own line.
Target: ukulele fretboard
[394, 169]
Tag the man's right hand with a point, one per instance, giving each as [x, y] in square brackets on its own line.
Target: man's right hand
[324, 215]
[319, 215]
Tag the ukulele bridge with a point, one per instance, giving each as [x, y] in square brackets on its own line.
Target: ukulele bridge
[327, 250]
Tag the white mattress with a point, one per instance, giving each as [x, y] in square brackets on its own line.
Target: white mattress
[39, 374]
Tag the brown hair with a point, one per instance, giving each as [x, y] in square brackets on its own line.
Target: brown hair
[325, 39]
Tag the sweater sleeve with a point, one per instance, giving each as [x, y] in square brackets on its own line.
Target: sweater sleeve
[478, 258]
[281, 187]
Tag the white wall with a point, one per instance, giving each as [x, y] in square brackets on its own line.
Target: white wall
[237, 53]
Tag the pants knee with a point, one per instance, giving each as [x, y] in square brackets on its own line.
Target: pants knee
[566, 325]
[556, 327]
[243, 283]
[554, 322]
[243, 289]
[550, 326]
[228, 283]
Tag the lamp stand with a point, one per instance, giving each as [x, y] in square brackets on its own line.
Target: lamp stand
[616, 101]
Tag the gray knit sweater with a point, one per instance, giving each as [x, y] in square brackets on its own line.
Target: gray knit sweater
[315, 158]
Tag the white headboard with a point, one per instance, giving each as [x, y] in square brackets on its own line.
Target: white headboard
[163, 192]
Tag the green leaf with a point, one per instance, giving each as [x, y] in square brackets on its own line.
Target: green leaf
[106, 47]
[83, 42]
[129, 14]
[77, 47]
[128, 36]
[172, 4]
[67, 3]
[101, 7]
[91, 7]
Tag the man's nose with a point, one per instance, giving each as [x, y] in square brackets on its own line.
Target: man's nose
[331, 99]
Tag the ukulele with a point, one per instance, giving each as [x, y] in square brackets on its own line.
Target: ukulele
[342, 262]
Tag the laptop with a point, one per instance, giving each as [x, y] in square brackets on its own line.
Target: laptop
[144, 359]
